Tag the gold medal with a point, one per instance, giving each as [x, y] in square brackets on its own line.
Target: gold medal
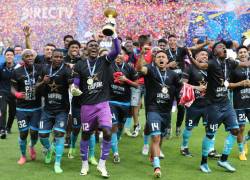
[164, 90]
[90, 81]
[226, 84]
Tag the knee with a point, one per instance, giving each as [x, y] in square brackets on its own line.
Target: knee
[58, 134]
[86, 136]
[242, 128]
[235, 132]
[156, 139]
[44, 135]
[107, 134]
[210, 136]
[23, 135]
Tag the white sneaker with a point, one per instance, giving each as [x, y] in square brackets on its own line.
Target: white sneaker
[226, 165]
[145, 149]
[162, 156]
[103, 171]
[85, 169]
[136, 132]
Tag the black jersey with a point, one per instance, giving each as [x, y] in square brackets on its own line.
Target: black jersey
[24, 79]
[157, 99]
[241, 95]
[95, 80]
[196, 77]
[177, 56]
[5, 77]
[122, 92]
[56, 91]
[218, 72]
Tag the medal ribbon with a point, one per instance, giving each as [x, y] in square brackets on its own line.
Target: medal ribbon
[163, 79]
[91, 72]
[28, 76]
[50, 72]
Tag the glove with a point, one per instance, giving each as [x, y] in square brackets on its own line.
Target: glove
[75, 91]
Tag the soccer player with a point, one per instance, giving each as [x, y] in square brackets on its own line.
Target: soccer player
[93, 81]
[198, 79]
[161, 85]
[176, 57]
[55, 83]
[28, 112]
[218, 72]
[240, 84]
[72, 57]
[6, 97]
[123, 77]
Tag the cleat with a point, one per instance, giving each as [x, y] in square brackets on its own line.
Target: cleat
[127, 132]
[58, 169]
[103, 171]
[84, 170]
[214, 154]
[226, 165]
[48, 157]
[92, 161]
[162, 156]
[168, 133]
[205, 168]
[22, 160]
[116, 159]
[145, 149]
[242, 156]
[32, 153]
[245, 149]
[178, 131]
[157, 173]
[3, 134]
[136, 131]
[71, 154]
[185, 152]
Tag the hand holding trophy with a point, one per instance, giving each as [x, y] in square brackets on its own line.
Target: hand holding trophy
[109, 27]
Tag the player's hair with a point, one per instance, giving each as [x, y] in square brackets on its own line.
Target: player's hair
[57, 50]
[9, 50]
[67, 36]
[171, 36]
[74, 42]
[241, 47]
[196, 52]
[92, 40]
[51, 45]
[143, 39]
[18, 46]
[162, 41]
[160, 51]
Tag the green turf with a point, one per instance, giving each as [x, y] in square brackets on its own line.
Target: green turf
[133, 165]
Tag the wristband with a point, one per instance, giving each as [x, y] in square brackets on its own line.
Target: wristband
[18, 95]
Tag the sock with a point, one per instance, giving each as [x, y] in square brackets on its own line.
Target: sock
[156, 162]
[105, 149]
[146, 139]
[211, 148]
[22, 144]
[206, 143]
[204, 160]
[224, 157]
[45, 142]
[114, 143]
[73, 139]
[92, 145]
[128, 123]
[229, 142]
[119, 133]
[102, 163]
[59, 149]
[241, 147]
[33, 142]
[186, 135]
[84, 147]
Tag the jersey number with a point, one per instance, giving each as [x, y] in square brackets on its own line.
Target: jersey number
[85, 126]
[22, 124]
[155, 126]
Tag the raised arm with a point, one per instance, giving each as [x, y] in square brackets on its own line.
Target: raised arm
[203, 66]
[140, 66]
[116, 48]
[27, 32]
